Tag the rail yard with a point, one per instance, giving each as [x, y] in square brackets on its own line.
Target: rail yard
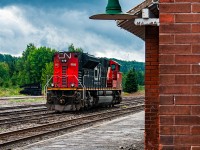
[27, 124]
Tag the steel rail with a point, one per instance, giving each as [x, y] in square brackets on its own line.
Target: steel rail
[21, 97]
[35, 97]
[21, 107]
[17, 112]
[26, 118]
[20, 137]
[30, 118]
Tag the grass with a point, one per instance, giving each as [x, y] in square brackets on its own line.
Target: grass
[14, 91]
[141, 91]
[141, 88]
[11, 91]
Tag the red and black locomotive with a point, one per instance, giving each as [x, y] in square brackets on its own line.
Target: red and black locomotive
[81, 80]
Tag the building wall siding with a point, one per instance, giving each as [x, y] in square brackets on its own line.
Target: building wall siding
[152, 87]
[179, 75]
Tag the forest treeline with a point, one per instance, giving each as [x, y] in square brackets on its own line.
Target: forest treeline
[36, 64]
[31, 67]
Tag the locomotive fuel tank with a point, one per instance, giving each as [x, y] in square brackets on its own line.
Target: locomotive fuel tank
[105, 100]
[105, 97]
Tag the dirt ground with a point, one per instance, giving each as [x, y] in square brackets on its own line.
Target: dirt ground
[139, 93]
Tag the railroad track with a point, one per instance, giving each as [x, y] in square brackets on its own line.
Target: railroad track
[21, 107]
[22, 112]
[38, 133]
[21, 97]
[16, 110]
[43, 105]
[19, 111]
[13, 121]
[32, 118]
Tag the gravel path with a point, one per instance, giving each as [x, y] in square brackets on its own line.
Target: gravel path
[123, 133]
[8, 103]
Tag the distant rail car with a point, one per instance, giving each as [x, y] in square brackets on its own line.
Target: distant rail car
[33, 89]
[81, 81]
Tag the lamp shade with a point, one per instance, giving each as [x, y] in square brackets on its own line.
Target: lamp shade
[113, 12]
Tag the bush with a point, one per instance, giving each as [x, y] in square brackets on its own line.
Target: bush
[131, 84]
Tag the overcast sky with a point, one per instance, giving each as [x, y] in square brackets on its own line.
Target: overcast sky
[58, 23]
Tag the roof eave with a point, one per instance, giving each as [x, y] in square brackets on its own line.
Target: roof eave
[129, 25]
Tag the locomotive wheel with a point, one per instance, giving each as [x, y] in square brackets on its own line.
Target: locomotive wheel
[78, 107]
[87, 106]
[58, 112]
[89, 101]
[110, 105]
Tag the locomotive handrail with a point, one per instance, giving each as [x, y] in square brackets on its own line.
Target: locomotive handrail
[93, 78]
[46, 85]
[99, 80]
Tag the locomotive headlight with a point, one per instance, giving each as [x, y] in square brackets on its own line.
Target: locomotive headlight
[72, 85]
[62, 101]
[64, 60]
[52, 84]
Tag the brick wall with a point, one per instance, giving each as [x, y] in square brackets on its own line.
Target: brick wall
[151, 87]
[179, 68]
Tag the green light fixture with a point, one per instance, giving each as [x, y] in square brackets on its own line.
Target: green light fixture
[113, 12]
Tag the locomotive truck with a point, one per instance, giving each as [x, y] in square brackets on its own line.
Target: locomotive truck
[82, 81]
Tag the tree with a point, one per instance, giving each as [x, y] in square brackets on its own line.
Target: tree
[123, 80]
[71, 48]
[47, 72]
[131, 83]
[126, 65]
[10, 60]
[22, 74]
[4, 74]
[38, 60]
[140, 77]
[29, 66]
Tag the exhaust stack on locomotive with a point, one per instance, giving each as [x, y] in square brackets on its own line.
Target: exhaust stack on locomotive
[81, 80]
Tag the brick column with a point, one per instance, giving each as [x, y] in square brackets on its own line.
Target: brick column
[151, 87]
[179, 66]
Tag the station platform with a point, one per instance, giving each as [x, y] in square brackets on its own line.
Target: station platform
[122, 133]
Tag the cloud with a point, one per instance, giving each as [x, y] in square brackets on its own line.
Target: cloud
[14, 30]
[57, 28]
[129, 4]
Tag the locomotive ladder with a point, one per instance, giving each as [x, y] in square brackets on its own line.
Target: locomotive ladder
[80, 77]
[64, 79]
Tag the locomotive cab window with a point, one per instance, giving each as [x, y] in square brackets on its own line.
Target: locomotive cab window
[113, 66]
